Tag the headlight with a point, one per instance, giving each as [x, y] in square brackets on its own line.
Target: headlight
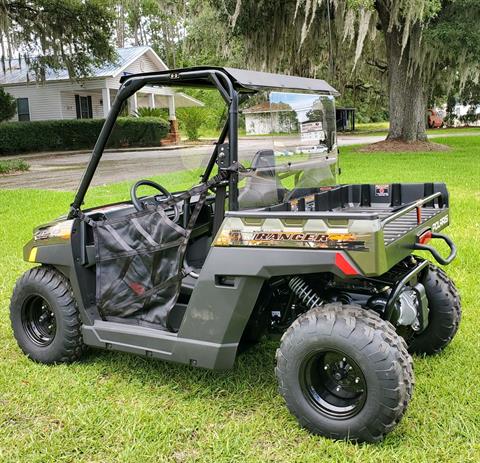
[60, 230]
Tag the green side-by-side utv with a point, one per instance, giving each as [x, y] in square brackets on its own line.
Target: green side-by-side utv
[267, 242]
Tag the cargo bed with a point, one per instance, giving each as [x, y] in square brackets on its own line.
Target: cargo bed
[390, 220]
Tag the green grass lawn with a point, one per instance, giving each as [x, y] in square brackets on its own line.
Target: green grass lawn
[371, 126]
[113, 407]
[381, 128]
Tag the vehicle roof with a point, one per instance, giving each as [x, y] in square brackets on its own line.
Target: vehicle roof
[243, 80]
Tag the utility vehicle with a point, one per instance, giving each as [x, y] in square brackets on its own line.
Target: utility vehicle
[267, 242]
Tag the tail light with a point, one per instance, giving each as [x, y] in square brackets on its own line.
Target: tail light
[425, 237]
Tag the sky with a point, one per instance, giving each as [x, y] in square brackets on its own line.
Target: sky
[300, 102]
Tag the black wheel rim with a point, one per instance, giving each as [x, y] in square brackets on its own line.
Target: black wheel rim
[333, 383]
[38, 321]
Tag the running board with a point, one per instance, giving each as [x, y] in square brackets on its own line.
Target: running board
[159, 344]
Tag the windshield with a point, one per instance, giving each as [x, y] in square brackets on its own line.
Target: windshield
[288, 149]
[163, 134]
[286, 144]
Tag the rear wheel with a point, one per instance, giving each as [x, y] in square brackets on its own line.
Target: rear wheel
[344, 373]
[333, 383]
[44, 317]
[444, 316]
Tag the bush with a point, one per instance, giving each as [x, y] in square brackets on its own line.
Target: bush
[145, 111]
[58, 135]
[14, 165]
[8, 106]
[191, 119]
[471, 117]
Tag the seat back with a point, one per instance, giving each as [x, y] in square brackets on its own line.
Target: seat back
[262, 187]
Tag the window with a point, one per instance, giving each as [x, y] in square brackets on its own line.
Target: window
[83, 105]
[23, 109]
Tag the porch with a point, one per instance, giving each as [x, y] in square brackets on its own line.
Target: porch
[97, 102]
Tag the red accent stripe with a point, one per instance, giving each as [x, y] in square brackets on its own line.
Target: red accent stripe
[425, 237]
[346, 267]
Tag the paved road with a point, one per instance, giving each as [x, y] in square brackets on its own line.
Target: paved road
[64, 171]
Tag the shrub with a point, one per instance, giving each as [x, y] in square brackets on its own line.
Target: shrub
[191, 119]
[471, 117]
[145, 111]
[450, 119]
[8, 106]
[14, 165]
[58, 135]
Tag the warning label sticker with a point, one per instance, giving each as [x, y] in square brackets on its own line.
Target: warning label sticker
[382, 190]
[311, 131]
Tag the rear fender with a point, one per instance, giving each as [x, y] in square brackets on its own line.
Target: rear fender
[231, 280]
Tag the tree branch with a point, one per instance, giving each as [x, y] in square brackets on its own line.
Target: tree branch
[382, 67]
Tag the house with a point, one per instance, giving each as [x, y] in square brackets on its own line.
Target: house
[60, 97]
[264, 118]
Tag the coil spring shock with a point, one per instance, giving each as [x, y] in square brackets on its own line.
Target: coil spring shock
[304, 292]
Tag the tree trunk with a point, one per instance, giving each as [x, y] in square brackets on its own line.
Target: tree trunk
[406, 89]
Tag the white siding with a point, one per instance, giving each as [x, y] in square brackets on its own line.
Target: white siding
[43, 100]
[56, 100]
[69, 110]
[68, 90]
[142, 64]
[262, 123]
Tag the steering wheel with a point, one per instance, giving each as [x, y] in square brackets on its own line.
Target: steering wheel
[138, 203]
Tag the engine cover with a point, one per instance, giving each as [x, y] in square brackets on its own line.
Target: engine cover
[408, 308]
[412, 307]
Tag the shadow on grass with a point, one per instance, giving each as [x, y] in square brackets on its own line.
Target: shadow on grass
[253, 373]
[251, 386]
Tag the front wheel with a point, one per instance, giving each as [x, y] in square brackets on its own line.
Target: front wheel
[44, 317]
[344, 373]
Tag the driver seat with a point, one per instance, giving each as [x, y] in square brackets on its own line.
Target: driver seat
[262, 187]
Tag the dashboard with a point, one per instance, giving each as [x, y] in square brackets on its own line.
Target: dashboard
[122, 209]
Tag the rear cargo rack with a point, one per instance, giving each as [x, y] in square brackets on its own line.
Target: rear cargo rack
[415, 205]
[409, 217]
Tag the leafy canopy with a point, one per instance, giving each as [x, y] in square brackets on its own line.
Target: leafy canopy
[434, 35]
[56, 34]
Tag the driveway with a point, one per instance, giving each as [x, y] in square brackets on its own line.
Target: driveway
[63, 171]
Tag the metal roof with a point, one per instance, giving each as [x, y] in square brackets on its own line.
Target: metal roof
[255, 79]
[242, 80]
[17, 71]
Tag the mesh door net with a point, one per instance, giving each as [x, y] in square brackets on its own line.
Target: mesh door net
[138, 265]
[139, 260]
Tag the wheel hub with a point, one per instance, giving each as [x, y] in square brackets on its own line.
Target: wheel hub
[38, 321]
[334, 384]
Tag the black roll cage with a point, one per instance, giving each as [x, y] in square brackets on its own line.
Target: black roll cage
[230, 83]
[213, 78]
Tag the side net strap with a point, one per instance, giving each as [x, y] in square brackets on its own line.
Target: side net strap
[197, 190]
